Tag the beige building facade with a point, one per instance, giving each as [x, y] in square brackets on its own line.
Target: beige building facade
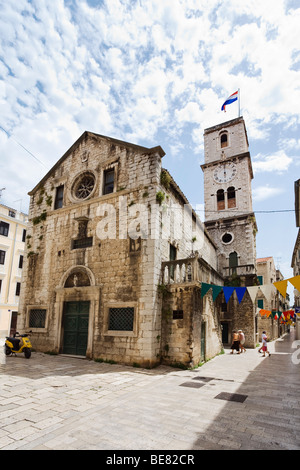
[296, 267]
[13, 226]
[114, 261]
[269, 298]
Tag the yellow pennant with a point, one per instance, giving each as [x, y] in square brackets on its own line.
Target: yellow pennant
[281, 286]
[296, 282]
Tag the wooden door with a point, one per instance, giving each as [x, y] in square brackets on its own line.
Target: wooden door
[76, 324]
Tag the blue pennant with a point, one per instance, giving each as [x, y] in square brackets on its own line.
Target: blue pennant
[240, 292]
[228, 292]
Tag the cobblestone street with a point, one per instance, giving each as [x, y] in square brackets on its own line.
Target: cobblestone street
[232, 402]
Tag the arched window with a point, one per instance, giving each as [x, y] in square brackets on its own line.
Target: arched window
[224, 140]
[231, 197]
[220, 200]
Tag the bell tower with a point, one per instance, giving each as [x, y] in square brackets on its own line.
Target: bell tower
[229, 216]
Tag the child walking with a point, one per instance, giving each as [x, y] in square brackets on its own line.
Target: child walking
[264, 344]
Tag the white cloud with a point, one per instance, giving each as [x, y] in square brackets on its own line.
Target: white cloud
[129, 69]
[262, 193]
[278, 162]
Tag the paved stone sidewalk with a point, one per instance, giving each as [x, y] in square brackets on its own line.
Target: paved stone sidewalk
[231, 402]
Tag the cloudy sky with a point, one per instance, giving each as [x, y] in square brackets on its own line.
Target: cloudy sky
[155, 72]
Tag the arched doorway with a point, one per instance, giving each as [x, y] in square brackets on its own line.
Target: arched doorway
[78, 300]
[76, 315]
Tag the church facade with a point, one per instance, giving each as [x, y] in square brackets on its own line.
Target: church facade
[115, 255]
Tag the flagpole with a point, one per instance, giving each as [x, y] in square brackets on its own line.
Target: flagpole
[239, 100]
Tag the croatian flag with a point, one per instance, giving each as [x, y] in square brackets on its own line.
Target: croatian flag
[230, 100]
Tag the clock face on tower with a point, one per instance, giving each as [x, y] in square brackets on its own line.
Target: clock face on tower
[225, 172]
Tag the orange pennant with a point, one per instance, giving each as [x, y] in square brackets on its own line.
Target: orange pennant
[264, 312]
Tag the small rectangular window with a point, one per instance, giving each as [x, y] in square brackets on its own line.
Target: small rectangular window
[121, 319]
[109, 177]
[260, 280]
[24, 235]
[37, 318]
[4, 229]
[12, 214]
[21, 261]
[18, 288]
[260, 303]
[2, 257]
[177, 314]
[59, 197]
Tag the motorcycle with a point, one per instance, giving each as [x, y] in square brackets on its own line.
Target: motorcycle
[14, 345]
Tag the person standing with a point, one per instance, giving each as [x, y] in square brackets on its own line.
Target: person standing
[242, 340]
[235, 342]
[264, 346]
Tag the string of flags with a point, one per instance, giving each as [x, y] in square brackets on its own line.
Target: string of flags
[266, 289]
[288, 317]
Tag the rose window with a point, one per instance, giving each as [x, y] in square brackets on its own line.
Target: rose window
[84, 187]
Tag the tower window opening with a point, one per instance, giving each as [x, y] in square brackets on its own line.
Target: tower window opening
[224, 140]
[231, 197]
[220, 200]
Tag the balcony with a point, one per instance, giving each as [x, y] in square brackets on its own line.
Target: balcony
[241, 270]
[180, 271]
[189, 270]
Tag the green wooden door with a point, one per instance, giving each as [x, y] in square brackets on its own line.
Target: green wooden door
[76, 325]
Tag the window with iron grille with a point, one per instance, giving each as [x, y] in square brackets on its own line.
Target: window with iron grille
[37, 318]
[82, 243]
[121, 319]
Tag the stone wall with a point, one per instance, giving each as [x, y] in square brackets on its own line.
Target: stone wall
[184, 315]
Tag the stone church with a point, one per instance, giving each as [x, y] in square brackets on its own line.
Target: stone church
[116, 255]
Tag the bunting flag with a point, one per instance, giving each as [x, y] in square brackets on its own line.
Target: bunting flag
[228, 291]
[263, 312]
[281, 286]
[205, 288]
[240, 292]
[216, 291]
[287, 317]
[252, 291]
[296, 282]
[267, 290]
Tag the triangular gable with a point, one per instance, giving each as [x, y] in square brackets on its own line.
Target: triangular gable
[99, 137]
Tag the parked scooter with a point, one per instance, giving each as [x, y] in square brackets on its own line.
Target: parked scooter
[14, 345]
